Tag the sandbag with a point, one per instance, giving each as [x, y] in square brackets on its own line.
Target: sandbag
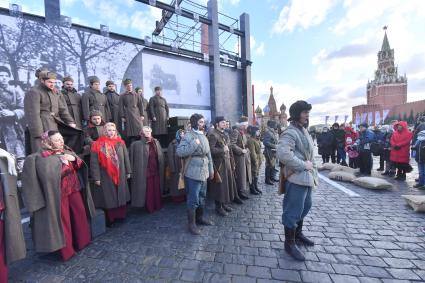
[417, 202]
[342, 176]
[328, 166]
[372, 183]
[345, 169]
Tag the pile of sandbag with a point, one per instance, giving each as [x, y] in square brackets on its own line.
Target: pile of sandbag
[372, 183]
[341, 176]
[417, 202]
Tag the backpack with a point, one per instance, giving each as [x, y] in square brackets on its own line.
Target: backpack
[376, 148]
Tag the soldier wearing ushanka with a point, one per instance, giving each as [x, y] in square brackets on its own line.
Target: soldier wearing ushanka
[131, 113]
[93, 99]
[44, 109]
[72, 100]
[113, 98]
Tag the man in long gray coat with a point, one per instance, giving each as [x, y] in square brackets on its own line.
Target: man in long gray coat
[93, 99]
[224, 192]
[159, 113]
[295, 152]
[131, 113]
[113, 100]
[44, 109]
[73, 101]
[146, 120]
[242, 157]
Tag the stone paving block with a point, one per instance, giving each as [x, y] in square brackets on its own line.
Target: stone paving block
[373, 261]
[235, 269]
[319, 267]
[399, 262]
[385, 245]
[403, 254]
[403, 274]
[338, 278]
[192, 275]
[259, 272]
[377, 252]
[315, 277]
[216, 278]
[243, 279]
[286, 275]
[374, 271]
[369, 280]
[346, 269]
[265, 261]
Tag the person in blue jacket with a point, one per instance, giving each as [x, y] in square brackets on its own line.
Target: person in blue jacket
[366, 137]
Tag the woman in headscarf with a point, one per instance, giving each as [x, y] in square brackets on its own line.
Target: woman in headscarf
[56, 192]
[400, 149]
[175, 167]
[147, 161]
[110, 169]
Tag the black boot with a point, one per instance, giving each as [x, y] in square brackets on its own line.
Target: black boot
[274, 173]
[268, 181]
[200, 217]
[219, 209]
[290, 245]
[386, 173]
[252, 190]
[191, 222]
[237, 200]
[227, 207]
[256, 186]
[299, 236]
[242, 195]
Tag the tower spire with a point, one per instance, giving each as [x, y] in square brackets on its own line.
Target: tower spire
[385, 43]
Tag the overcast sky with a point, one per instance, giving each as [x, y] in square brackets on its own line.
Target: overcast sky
[323, 51]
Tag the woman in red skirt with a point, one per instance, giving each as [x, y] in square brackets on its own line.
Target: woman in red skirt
[59, 219]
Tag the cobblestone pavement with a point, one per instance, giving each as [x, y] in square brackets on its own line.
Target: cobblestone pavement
[371, 238]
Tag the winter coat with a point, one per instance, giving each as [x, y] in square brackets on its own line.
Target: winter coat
[95, 100]
[175, 167]
[200, 166]
[294, 149]
[139, 157]
[147, 120]
[270, 143]
[72, 100]
[113, 101]
[365, 139]
[131, 109]
[325, 142]
[223, 192]
[158, 108]
[243, 174]
[107, 195]
[418, 129]
[339, 136]
[400, 144]
[13, 234]
[254, 147]
[43, 110]
[41, 183]
[350, 139]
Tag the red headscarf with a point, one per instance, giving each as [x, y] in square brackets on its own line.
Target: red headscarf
[107, 155]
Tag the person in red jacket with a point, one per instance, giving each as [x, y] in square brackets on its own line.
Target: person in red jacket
[400, 149]
[350, 138]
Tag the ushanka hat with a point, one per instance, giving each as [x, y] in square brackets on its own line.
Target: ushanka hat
[109, 83]
[127, 81]
[296, 109]
[95, 113]
[39, 70]
[94, 79]
[218, 119]
[46, 75]
[67, 79]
